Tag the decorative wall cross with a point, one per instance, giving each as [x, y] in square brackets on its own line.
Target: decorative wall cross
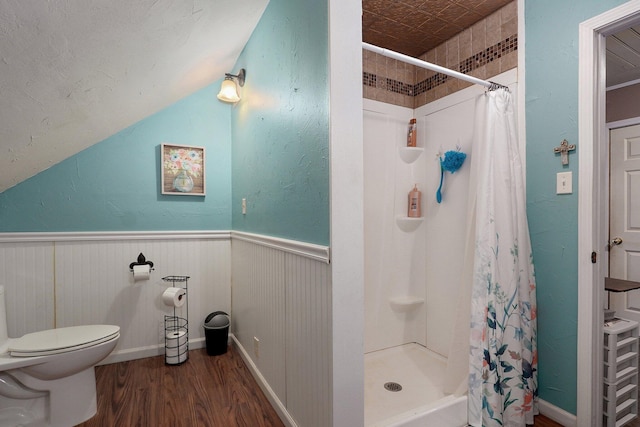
[564, 149]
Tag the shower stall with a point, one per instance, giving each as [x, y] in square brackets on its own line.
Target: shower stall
[413, 266]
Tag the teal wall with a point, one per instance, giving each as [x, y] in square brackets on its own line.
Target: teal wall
[115, 185]
[280, 153]
[281, 126]
[551, 66]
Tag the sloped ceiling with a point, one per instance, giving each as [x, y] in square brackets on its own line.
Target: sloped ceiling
[73, 72]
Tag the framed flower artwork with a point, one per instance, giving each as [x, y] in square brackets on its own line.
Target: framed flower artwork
[182, 169]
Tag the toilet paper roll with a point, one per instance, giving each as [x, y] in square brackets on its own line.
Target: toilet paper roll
[174, 297]
[175, 339]
[175, 351]
[141, 272]
[174, 356]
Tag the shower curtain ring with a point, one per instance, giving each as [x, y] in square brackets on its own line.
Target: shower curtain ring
[496, 86]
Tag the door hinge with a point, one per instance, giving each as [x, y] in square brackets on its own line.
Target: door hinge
[594, 257]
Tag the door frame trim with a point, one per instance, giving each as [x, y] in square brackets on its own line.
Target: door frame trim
[633, 121]
[592, 204]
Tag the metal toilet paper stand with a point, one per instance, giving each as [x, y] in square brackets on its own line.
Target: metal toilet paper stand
[176, 328]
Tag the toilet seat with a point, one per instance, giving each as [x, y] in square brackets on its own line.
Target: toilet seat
[62, 340]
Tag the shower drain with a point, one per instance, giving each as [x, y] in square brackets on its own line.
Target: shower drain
[391, 386]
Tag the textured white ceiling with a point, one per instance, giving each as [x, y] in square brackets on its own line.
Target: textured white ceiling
[73, 72]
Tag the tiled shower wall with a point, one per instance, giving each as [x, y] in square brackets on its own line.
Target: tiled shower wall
[484, 50]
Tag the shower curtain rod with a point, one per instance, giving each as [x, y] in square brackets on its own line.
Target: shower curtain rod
[433, 67]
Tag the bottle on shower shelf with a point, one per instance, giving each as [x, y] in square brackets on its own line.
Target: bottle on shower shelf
[415, 201]
[411, 133]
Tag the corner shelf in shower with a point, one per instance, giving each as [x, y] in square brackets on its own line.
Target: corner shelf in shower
[405, 303]
[408, 224]
[410, 154]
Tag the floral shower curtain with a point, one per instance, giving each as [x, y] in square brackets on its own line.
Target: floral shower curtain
[503, 349]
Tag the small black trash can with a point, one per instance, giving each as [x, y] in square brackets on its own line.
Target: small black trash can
[216, 332]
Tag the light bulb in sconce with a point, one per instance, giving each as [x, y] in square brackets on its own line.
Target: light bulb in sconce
[228, 90]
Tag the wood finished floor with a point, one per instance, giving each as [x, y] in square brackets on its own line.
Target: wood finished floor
[204, 391]
[542, 421]
[211, 391]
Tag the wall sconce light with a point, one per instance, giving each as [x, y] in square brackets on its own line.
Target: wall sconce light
[228, 90]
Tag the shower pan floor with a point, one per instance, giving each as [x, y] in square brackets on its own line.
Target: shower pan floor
[419, 371]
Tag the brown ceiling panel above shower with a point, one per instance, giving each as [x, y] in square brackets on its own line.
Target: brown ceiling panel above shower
[414, 27]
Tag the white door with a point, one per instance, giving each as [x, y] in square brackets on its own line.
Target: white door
[624, 227]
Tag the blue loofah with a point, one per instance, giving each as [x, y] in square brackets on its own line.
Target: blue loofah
[453, 160]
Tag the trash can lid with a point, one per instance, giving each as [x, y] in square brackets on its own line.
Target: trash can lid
[217, 319]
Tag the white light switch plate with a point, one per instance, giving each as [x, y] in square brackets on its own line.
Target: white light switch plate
[564, 183]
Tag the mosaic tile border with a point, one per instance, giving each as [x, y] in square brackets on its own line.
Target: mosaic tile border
[478, 60]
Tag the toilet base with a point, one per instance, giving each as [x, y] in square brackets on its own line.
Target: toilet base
[72, 399]
[30, 415]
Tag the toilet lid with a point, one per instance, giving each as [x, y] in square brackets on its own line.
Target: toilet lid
[62, 340]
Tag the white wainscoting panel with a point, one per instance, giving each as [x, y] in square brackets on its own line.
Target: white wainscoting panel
[26, 271]
[258, 295]
[284, 299]
[308, 341]
[80, 279]
[94, 285]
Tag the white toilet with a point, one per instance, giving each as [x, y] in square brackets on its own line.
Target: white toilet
[47, 378]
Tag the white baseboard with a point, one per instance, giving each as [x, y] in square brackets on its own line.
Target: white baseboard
[557, 414]
[266, 389]
[149, 351]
